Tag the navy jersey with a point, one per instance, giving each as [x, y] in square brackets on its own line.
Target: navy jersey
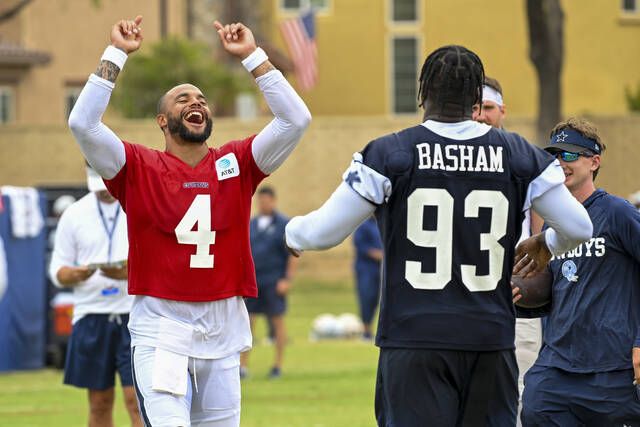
[269, 252]
[449, 218]
[595, 308]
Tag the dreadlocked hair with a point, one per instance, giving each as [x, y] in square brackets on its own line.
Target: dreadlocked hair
[451, 75]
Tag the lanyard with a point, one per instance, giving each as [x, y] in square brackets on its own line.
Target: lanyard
[106, 228]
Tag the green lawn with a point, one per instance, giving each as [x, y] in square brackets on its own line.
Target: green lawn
[324, 383]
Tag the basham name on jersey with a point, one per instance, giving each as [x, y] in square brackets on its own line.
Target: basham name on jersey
[458, 157]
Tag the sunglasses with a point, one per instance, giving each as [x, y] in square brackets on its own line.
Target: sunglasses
[567, 156]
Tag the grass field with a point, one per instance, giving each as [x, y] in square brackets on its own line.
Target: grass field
[328, 384]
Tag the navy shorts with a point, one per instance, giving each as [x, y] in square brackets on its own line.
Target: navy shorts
[268, 301]
[97, 349]
[446, 388]
[554, 397]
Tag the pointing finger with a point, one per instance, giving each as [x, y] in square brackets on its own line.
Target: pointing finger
[218, 25]
[138, 20]
[221, 34]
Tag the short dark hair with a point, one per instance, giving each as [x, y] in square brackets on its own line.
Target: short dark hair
[452, 75]
[160, 105]
[267, 190]
[585, 128]
[493, 84]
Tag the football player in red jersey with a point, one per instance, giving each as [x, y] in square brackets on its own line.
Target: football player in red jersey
[188, 213]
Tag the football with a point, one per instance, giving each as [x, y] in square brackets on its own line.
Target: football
[535, 291]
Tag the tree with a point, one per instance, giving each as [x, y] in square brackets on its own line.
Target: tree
[171, 62]
[546, 41]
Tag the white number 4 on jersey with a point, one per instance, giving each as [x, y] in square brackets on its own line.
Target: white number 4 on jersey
[199, 213]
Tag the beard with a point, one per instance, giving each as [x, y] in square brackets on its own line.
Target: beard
[177, 127]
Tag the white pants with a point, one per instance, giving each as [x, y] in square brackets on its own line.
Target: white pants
[528, 343]
[212, 395]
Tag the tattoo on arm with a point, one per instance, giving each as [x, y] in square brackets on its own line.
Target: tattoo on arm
[108, 71]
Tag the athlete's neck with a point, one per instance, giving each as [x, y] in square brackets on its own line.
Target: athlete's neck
[189, 152]
[446, 114]
[584, 191]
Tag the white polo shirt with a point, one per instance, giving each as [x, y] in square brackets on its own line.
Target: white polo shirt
[82, 238]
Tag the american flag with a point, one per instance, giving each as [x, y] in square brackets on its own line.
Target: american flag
[300, 36]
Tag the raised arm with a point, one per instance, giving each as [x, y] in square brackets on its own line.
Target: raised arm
[278, 139]
[356, 199]
[101, 147]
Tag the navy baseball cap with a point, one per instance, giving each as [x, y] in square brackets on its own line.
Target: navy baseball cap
[568, 139]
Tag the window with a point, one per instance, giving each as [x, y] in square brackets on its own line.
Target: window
[630, 6]
[296, 5]
[404, 10]
[70, 97]
[405, 74]
[6, 104]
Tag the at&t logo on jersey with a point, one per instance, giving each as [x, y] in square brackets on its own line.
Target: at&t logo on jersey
[227, 167]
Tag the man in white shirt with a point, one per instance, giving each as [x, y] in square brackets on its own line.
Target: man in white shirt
[89, 256]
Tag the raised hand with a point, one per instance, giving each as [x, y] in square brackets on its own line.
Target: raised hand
[236, 39]
[127, 35]
[532, 256]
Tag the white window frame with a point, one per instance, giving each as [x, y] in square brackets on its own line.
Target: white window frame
[392, 80]
[304, 5]
[624, 11]
[4, 89]
[418, 6]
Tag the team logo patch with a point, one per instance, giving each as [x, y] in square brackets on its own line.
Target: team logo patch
[561, 136]
[227, 167]
[569, 270]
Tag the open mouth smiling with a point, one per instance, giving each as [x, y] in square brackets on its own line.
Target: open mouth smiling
[195, 116]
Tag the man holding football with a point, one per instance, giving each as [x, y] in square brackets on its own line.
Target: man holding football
[446, 327]
[188, 211]
[590, 357]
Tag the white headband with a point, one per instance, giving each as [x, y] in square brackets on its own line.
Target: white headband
[490, 94]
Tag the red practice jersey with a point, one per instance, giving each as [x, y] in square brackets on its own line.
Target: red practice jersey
[189, 227]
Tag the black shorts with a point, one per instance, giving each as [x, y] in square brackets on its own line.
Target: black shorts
[446, 388]
[97, 349]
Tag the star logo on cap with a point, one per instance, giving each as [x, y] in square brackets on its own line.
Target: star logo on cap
[561, 137]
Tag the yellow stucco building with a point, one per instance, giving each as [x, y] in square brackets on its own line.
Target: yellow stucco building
[370, 51]
[65, 39]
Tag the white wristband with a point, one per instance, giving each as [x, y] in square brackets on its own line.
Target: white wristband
[256, 58]
[114, 55]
